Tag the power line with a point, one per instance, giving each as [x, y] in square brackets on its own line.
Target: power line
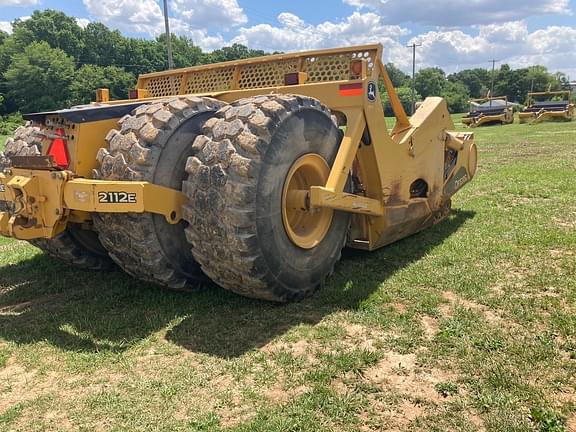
[413, 46]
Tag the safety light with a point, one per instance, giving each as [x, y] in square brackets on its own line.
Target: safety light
[59, 150]
[356, 68]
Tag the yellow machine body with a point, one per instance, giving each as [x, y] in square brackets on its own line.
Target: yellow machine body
[549, 109]
[406, 176]
[489, 115]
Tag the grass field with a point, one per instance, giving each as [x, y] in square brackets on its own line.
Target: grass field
[468, 326]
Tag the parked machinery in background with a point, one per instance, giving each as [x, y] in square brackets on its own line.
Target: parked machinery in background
[488, 111]
[550, 105]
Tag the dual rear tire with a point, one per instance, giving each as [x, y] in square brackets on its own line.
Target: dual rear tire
[245, 169]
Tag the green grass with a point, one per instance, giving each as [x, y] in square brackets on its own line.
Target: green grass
[470, 325]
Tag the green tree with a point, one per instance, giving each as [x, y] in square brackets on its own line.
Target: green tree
[39, 78]
[477, 80]
[457, 96]
[184, 52]
[55, 28]
[141, 56]
[398, 78]
[234, 52]
[91, 77]
[430, 81]
[405, 96]
[101, 45]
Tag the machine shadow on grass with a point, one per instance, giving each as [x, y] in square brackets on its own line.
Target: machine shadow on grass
[44, 300]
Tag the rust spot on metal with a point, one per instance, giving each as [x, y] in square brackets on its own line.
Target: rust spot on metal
[34, 162]
[395, 198]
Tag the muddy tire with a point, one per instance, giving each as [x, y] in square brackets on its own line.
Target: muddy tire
[152, 145]
[76, 246]
[235, 190]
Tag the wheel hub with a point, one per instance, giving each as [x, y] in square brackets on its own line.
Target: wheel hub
[305, 226]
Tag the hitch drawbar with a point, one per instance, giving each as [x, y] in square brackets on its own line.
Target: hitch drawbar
[40, 202]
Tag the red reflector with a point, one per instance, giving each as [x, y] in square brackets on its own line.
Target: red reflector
[355, 89]
[59, 151]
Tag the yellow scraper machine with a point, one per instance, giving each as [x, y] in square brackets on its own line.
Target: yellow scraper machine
[488, 111]
[253, 173]
[550, 105]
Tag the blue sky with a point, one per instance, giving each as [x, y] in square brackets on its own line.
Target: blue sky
[455, 34]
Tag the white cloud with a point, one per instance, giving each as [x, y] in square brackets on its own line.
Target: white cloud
[139, 16]
[452, 50]
[293, 34]
[192, 18]
[206, 14]
[510, 43]
[82, 22]
[448, 13]
[19, 2]
[6, 27]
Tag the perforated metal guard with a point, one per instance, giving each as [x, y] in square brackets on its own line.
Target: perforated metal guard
[265, 73]
[335, 67]
[208, 81]
[164, 85]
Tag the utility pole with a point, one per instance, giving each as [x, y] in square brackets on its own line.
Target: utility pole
[413, 46]
[493, 79]
[168, 36]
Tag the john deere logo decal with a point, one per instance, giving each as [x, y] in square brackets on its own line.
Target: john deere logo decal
[371, 91]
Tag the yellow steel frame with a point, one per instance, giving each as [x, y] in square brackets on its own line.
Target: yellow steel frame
[506, 117]
[543, 114]
[34, 191]
[387, 163]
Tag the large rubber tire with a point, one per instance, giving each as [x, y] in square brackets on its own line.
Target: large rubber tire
[77, 246]
[152, 145]
[235, 187]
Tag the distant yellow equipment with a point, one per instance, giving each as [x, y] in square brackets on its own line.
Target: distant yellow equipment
[550, 105]
[489, 110]
[253, 173]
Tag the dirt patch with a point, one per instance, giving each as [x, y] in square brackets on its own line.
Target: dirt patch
[571, 424]
[565, 224]
[362, 337]
[490, 316]
[561, 253]
[297, 349]
[412, 389]
[278, 394]
[430, 325]
[401, 373]
[399, 307]
[20, 385]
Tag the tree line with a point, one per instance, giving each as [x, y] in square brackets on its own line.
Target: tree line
[50, 62]
[458, 88]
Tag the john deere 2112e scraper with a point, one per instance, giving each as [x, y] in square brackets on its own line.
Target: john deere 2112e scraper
[254, 173]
